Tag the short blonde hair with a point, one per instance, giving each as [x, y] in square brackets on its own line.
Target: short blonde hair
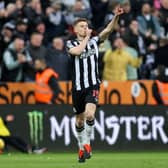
[80, 20]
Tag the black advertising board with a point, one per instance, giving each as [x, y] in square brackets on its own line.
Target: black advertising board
[116, 127]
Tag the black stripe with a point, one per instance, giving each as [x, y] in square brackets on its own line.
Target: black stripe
[97, 70]
[90, 123]
[73, 43]
[89, 71]
[96, 63]
[79, 129]
[73, 71]
[81, 73]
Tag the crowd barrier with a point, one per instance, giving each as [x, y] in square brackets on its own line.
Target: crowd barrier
[130, 92]
[117, 128]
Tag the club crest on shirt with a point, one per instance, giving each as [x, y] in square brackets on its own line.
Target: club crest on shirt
[87, 53]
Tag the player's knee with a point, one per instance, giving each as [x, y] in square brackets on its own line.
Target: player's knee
[89, 116]
[90, 111]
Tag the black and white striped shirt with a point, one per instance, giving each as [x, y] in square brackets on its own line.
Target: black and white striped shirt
[85, 67]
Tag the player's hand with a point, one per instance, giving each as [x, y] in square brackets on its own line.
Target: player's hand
[88, 32]
[119, 11]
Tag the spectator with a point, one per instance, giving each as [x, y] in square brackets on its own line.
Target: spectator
[70, 3]
[56, 22]
[33, 11]
[67, 3]
[35, 47]
[36, 50]
[45, 4]
[21, 28]
[99, 9]
[6, 14]
[132, 72]
[9, 1]
[161, 53]
[2, 13]
[2, 4]
[58, 59]
[18, 12]
[136, 6]
[79, 10]
[149, 26]
[146, 69]
[126, 17]
[6, 37]
[111, 10]
[103, 47]
[160, 87]
[135, 39]
[164, 16]
[15, 141]
[47, 88]
[13, 59]
[113, 5]
[157, 4]
[40, 27]
[10, 9]
[54, 18]
[116, 62]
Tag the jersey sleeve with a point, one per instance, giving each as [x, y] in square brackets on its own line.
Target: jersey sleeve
[97, 39]
[69, 45]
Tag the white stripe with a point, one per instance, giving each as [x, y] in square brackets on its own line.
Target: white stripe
[93, 69]
[69, 44]
[96, 47]
[77, 72]
[85, 73]
[97, 55]
[93, 72]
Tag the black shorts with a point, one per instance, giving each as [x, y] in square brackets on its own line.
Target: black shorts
[82, 97]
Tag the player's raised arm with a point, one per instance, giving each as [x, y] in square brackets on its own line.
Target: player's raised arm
[109, 28]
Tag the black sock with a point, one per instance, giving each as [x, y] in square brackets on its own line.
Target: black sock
[79, 129]
[90, 123]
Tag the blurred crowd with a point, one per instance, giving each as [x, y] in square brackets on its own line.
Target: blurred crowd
[34, 29]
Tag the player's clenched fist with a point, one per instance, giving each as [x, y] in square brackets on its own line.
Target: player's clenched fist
[119, 11]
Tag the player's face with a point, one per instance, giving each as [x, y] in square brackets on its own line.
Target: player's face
[81, 28]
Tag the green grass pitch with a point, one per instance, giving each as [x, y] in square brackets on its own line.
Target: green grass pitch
[99, 160]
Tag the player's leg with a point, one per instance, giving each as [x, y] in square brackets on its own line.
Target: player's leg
[79, 108]
[80, 131]
[90, 109]
[90, 116]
